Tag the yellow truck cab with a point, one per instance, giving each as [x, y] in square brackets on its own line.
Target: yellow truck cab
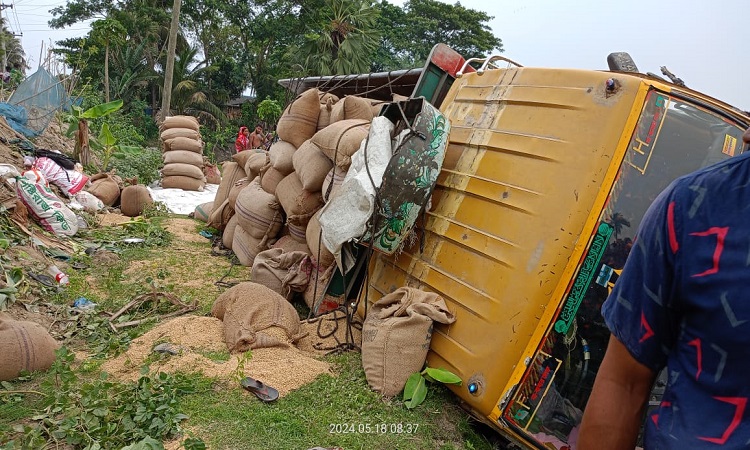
[546, 177]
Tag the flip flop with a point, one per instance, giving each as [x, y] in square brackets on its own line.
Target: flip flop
[45, 280]
[263, 392]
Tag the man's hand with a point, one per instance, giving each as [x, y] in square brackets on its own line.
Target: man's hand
[615, 409]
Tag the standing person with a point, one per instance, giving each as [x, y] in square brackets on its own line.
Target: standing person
[243, 140]
[681, 303]
[257, 138]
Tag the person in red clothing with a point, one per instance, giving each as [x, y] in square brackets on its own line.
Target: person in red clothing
[243, 140]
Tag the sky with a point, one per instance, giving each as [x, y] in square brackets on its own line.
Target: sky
[700, 41]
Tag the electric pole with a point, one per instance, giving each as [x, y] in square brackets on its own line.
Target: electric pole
[169, 70]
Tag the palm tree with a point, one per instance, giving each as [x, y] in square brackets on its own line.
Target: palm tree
[618, 221]
[131, 71]
[11, 49]
[188, 96]
[344, 40]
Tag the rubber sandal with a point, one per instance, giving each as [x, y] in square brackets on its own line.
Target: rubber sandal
[45, 280]
[263, 392]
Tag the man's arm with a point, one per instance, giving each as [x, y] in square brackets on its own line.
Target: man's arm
[615, 409]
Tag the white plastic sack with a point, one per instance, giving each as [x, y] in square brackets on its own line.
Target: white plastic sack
[345, 216]
[69, 181]
[88, 201]
[8, 171]
[46, 208]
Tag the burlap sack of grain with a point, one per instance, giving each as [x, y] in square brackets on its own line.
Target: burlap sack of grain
[173, 133]
[251, 312]
[340, 140]
[227, 237]
[351, 107]
[396, 336]
[105, 187]
[220, 216]
[398, 98]
[257, 160]
[280, 271]
[231, 174]
[246, 247]
[183, 170]
[270, 179]
[288, 244]
[188, 122]
[317, 286]
[182, 156]
[280, 154]
[376, 106]
[203, 211]
[212, 173]
[235, 191]
[300, 119]
[184, 183]
[133, 199]
[260, 214]
[297, 229]
[295, 199]
[311, 166]
[24, 346]
[315, 243]
[324, 117]
[183, 143]
[332, 183]
[326, 97]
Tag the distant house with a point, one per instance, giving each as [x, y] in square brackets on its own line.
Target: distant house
[233, 108]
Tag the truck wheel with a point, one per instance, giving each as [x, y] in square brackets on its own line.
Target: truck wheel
[621, 62]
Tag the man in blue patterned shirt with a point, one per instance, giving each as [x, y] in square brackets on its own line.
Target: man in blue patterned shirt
[682, 302]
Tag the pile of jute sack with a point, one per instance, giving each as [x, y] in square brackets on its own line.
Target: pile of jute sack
[268, 203]
[182, 154]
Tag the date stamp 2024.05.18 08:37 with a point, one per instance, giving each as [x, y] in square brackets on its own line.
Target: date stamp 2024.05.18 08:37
[372, 428]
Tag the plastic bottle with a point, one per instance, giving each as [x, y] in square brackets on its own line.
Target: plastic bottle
[60, 277]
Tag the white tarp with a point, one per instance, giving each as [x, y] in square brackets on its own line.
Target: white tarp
[345, 216]
[183, 202]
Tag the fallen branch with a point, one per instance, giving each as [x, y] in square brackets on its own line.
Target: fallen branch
[24, 392]
[155, 297]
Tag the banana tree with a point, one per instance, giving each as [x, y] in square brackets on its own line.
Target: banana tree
[107, 145]
[78, 124]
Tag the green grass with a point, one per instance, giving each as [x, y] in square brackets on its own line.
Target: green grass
[331, 411]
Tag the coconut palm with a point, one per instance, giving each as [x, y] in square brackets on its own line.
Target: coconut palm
[343, 40]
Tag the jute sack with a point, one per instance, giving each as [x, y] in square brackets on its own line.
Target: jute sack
[133, 199]
[172, 133]
[351, 107]
[376, 106]
[311, 165]
[24, 346]
[287, 244]
[247, 247]
[255, 163]
[340, 140]
[251, 312]
[241, 157]
[315, 243]
[189, 122]
[203, 211]
[260, 214]
[184, 143]
[105, 188]
[280, 271]
[324, 117]
[332, 183]
[317, 286]
[184, 183]
[326, 97]
[280, 154]
[182, 156]
[297, 229]
[228, 235]
[396, 336]
[220, 215]
[235, 191]
[300, 119]
[212, 173]
[232, 173]
[270, 179]
[183, 170]
[295, 199]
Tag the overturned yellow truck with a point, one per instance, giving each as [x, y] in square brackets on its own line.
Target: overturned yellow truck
[546, 177]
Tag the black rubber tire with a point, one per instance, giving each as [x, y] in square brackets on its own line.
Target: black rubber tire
[621, 62]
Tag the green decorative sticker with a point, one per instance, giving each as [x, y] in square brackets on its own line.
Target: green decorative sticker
[584, 277]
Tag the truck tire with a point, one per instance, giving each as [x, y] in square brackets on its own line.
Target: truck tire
[621, 62]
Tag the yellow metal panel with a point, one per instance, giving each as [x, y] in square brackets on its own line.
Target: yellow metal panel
[528, 152]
